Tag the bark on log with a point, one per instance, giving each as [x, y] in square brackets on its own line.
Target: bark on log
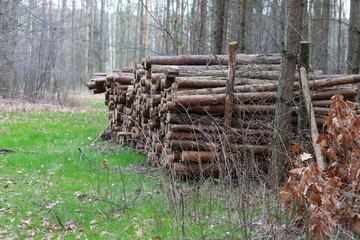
[204, 68]
[314, 84]
[199, 156]
[269, 75]
[217, 129]
[121, 78]
[181, 145]
[242, 59]
[190, 169]
[196, 100]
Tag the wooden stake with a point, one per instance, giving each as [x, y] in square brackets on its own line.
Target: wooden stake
[302, 120]
[310, 110]
[230, 84]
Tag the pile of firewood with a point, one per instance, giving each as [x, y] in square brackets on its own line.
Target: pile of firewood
[172, 108]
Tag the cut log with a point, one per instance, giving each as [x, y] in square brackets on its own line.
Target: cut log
[212, 99]
[222, 74]
[314, 84]
[242, 59]
[195, 168]
[204, 68]
[120, 78]
[199, 156]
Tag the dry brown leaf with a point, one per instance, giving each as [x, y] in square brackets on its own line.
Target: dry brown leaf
[329, 195]
[296, 148]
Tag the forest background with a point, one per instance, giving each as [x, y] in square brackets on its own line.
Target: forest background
[54, 46]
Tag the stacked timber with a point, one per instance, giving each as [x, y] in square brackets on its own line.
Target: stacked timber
[173, 109]
[115, 85]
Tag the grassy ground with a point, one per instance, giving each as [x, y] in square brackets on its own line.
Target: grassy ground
[59, 184]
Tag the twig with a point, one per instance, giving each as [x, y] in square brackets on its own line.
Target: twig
[58, 219]
[6, 150]
[100, 135]
[103, 214]
[82, 153]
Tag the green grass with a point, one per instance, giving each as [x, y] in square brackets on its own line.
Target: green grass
[57, 192]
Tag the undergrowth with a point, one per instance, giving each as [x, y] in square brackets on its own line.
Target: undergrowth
[61, 182]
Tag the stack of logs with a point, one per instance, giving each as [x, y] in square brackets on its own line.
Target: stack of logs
[172, 108]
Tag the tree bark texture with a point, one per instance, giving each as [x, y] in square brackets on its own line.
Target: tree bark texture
[219, 26]
[282, 125]
[354, 42]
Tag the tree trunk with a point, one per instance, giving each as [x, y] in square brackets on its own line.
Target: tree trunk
[202, 42]
[167, 25]
[282, 125]
[339, 37]
[233, 21]
[142, 25]
[354, 38]
[354, 42]
[325, 35]
[147, 26]
[102, 38]
[219, 26]
[241, 40]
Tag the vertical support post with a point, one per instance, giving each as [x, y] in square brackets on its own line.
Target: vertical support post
[302, 127]
[230, 85]
[305, 91]
[229, 101]
[305, 54]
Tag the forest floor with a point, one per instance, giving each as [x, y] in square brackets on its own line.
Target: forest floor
[61, 181]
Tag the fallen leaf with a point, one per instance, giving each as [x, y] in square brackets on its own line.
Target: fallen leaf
[305, 156]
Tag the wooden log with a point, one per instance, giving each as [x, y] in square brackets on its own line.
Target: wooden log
[242, 59]
[99, 90]
[120, 78]
[230, 83]
[192, 145]
[204, 68]
[199, 156]
[270, 97]
[100, 80]
[326, 103]
[216, 137]
[91, 85]
[326, 94]
[183, 145]
[333, 81]
[243, 108]
[216, 109]
[268, 87]
[125, 134]
[195, 168]
[212, 99]
[314, 84]
[221, 74]
[122, 87]
[205, 82]
[217, 129]
[99, 74]
[194, 119]
[172, 135]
